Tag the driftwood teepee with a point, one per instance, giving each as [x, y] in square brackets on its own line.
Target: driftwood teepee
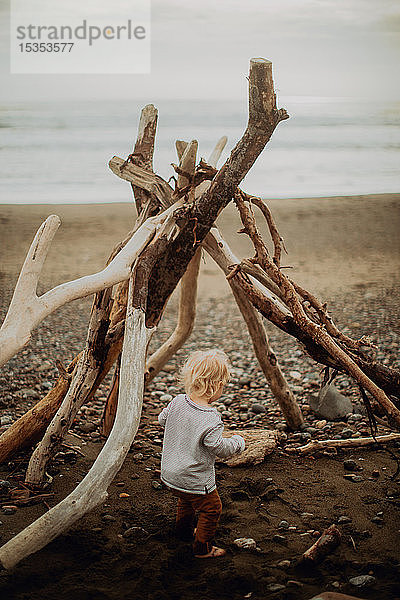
[172, 227]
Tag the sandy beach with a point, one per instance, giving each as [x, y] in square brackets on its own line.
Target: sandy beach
[334, 244]
[344, 249]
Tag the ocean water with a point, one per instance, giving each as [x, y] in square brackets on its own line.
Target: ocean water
[58, 152]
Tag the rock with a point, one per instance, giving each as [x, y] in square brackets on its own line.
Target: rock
[87, 427]
[283, 525]
[330, 404]
[350, 465]
[6, 420]
[346, 433]
[343, 519]
[9, 509]
[377, 520]
[245, 543]
[307, 516]
[5, 486]
[280, 539]
[109, 518]
[258, 408]
[157, 485]
[274, 587]
[138, 456]
[283, 564]
[166, 398]
[28, 393]
[295, 375]
[354, 478]
[135, 532]
[362, 581]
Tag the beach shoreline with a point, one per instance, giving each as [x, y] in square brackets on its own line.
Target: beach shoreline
[334, 243]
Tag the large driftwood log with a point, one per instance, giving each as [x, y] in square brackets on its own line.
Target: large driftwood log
[267, 359]
[197, 219]
[88, 368]
[92, 490]
[27, 310]
[30, 427]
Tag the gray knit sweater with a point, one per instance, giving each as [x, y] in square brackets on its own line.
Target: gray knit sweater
[192, 440]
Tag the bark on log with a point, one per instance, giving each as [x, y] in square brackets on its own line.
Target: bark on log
[267, 359]
[324, 545]
[85, 376]
[186, 318]
[319, 446]
[197, 220]
[223, 256]
[143, 155]
[92, 490]
[188, 285]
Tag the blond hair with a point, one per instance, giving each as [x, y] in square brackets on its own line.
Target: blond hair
[204, 372]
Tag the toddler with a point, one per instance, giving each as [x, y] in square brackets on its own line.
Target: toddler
[192, 440]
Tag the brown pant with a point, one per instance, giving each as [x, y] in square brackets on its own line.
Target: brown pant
[209, 507]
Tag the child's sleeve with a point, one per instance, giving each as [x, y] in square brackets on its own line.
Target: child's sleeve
[162, 417]
[223, 447]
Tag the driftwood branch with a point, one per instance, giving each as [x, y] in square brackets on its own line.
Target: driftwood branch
[315, 331]
[92, 490]
[27, 310]
[319, 446]
[86, 374]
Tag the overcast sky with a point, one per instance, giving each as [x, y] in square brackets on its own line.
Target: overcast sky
[201, 49]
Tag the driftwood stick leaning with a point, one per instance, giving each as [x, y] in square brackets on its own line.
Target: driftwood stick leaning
[86, 374]
[362, 442]
[27, 310]
[92, 490]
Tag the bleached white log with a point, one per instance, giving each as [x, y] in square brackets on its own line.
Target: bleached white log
[92, 490]
[27, 310]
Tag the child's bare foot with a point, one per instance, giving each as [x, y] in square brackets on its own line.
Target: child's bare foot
[214, 553]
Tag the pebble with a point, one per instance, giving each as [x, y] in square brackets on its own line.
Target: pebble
[5, 486]
[157, 485]
[108, 518]
[343, 519]
[166, 398]
[274, 587]
[354, 478]
[245, 543]
[350, 465]
[284, 564]
[6, 420]
[280, 539]
[9, 509]
[135, 532]
[258, 408]
[346, 433]
[87, 427]
[295, 375]
[362, 581]
[283, 525]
